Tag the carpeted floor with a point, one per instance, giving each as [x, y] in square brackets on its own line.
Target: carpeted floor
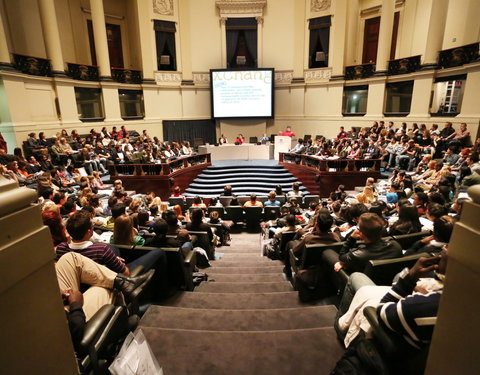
[246, 319]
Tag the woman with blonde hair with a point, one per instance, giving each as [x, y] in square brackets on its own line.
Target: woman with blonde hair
[124, 233]
[367, 196]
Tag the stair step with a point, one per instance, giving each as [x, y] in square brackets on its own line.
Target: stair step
[309, 351]
[238, 320]
[245, 287]
[244, 263]
[254, 278]
[245, 270]
[235, 301]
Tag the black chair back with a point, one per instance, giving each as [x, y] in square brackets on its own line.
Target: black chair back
[235, 214]
[173, 201]
[220, 210]
[253, 216]
[382, 271]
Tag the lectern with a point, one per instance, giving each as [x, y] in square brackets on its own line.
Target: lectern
[282, 144]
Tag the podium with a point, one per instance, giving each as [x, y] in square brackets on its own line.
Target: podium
[282, 144]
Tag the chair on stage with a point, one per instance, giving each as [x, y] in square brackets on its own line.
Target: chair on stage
[253, 140]
[197, 142]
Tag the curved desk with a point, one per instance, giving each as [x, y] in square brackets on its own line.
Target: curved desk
[160, 178]
[322, 176]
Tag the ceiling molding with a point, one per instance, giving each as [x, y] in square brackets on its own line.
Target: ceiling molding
[241, 8]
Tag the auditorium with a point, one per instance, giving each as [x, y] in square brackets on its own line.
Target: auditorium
[239, 186]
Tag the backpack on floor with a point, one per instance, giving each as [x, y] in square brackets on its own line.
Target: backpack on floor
[361, 358]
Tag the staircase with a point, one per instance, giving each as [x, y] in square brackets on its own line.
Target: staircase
[244, 179]
[245, 320]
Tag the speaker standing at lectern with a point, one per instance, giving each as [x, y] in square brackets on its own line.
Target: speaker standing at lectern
[288, 132]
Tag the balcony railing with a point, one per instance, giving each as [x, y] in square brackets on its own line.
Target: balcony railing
[404, 65]
[457, 56]
[36, 66]
[359, 71]
[126, 75]
[82, 72]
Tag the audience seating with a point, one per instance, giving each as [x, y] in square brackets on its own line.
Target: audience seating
[225, 200]
[173, 201]
[407, 240]
[106, 329]
[220, 210]
[307, 199]
[180, 269]
[235, 214]
[202, 240]
[396, 356]
[253, 216]
[383, 271]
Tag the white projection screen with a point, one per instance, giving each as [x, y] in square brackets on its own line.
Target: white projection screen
[237, 94]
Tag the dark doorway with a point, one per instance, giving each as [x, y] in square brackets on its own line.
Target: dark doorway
[114, 40]
[370, 40]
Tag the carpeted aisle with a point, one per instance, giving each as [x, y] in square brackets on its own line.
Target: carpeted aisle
[245, 320]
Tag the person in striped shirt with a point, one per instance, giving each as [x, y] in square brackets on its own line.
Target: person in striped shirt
[409, 312]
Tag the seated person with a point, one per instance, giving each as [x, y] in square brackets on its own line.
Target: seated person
[353, 257]
[222, 229]
[197, 202]
[321, 234]
[162, 239]
[442, 231]
[196, 224]
[397, 307]
[295, 190]
[253, 202]
[80, 228]
[290, 226]
[177, 193]
[272, 200]
[74, 269]
[408, 221]
[124, 233]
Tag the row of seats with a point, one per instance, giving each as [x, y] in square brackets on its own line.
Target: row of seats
[303, 201]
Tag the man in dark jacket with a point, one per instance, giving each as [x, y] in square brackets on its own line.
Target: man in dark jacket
[353, 257]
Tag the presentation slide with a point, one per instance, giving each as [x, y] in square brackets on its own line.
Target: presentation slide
[242, 93]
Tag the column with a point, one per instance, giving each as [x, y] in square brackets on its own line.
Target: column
[100, 37]
[223, 32]
[5, 61]
[436, 29]
[385, 36]
[337, 39]
[259, 41]
[51, 36]
[146, 42]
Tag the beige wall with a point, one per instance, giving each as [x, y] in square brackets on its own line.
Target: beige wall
[314, 107]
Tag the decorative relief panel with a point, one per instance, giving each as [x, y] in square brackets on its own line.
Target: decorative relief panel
[245, 8]
[201, 79]
[162, 78]
[319, 5]
[163, 7]
[283, 77]
[318, 75]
